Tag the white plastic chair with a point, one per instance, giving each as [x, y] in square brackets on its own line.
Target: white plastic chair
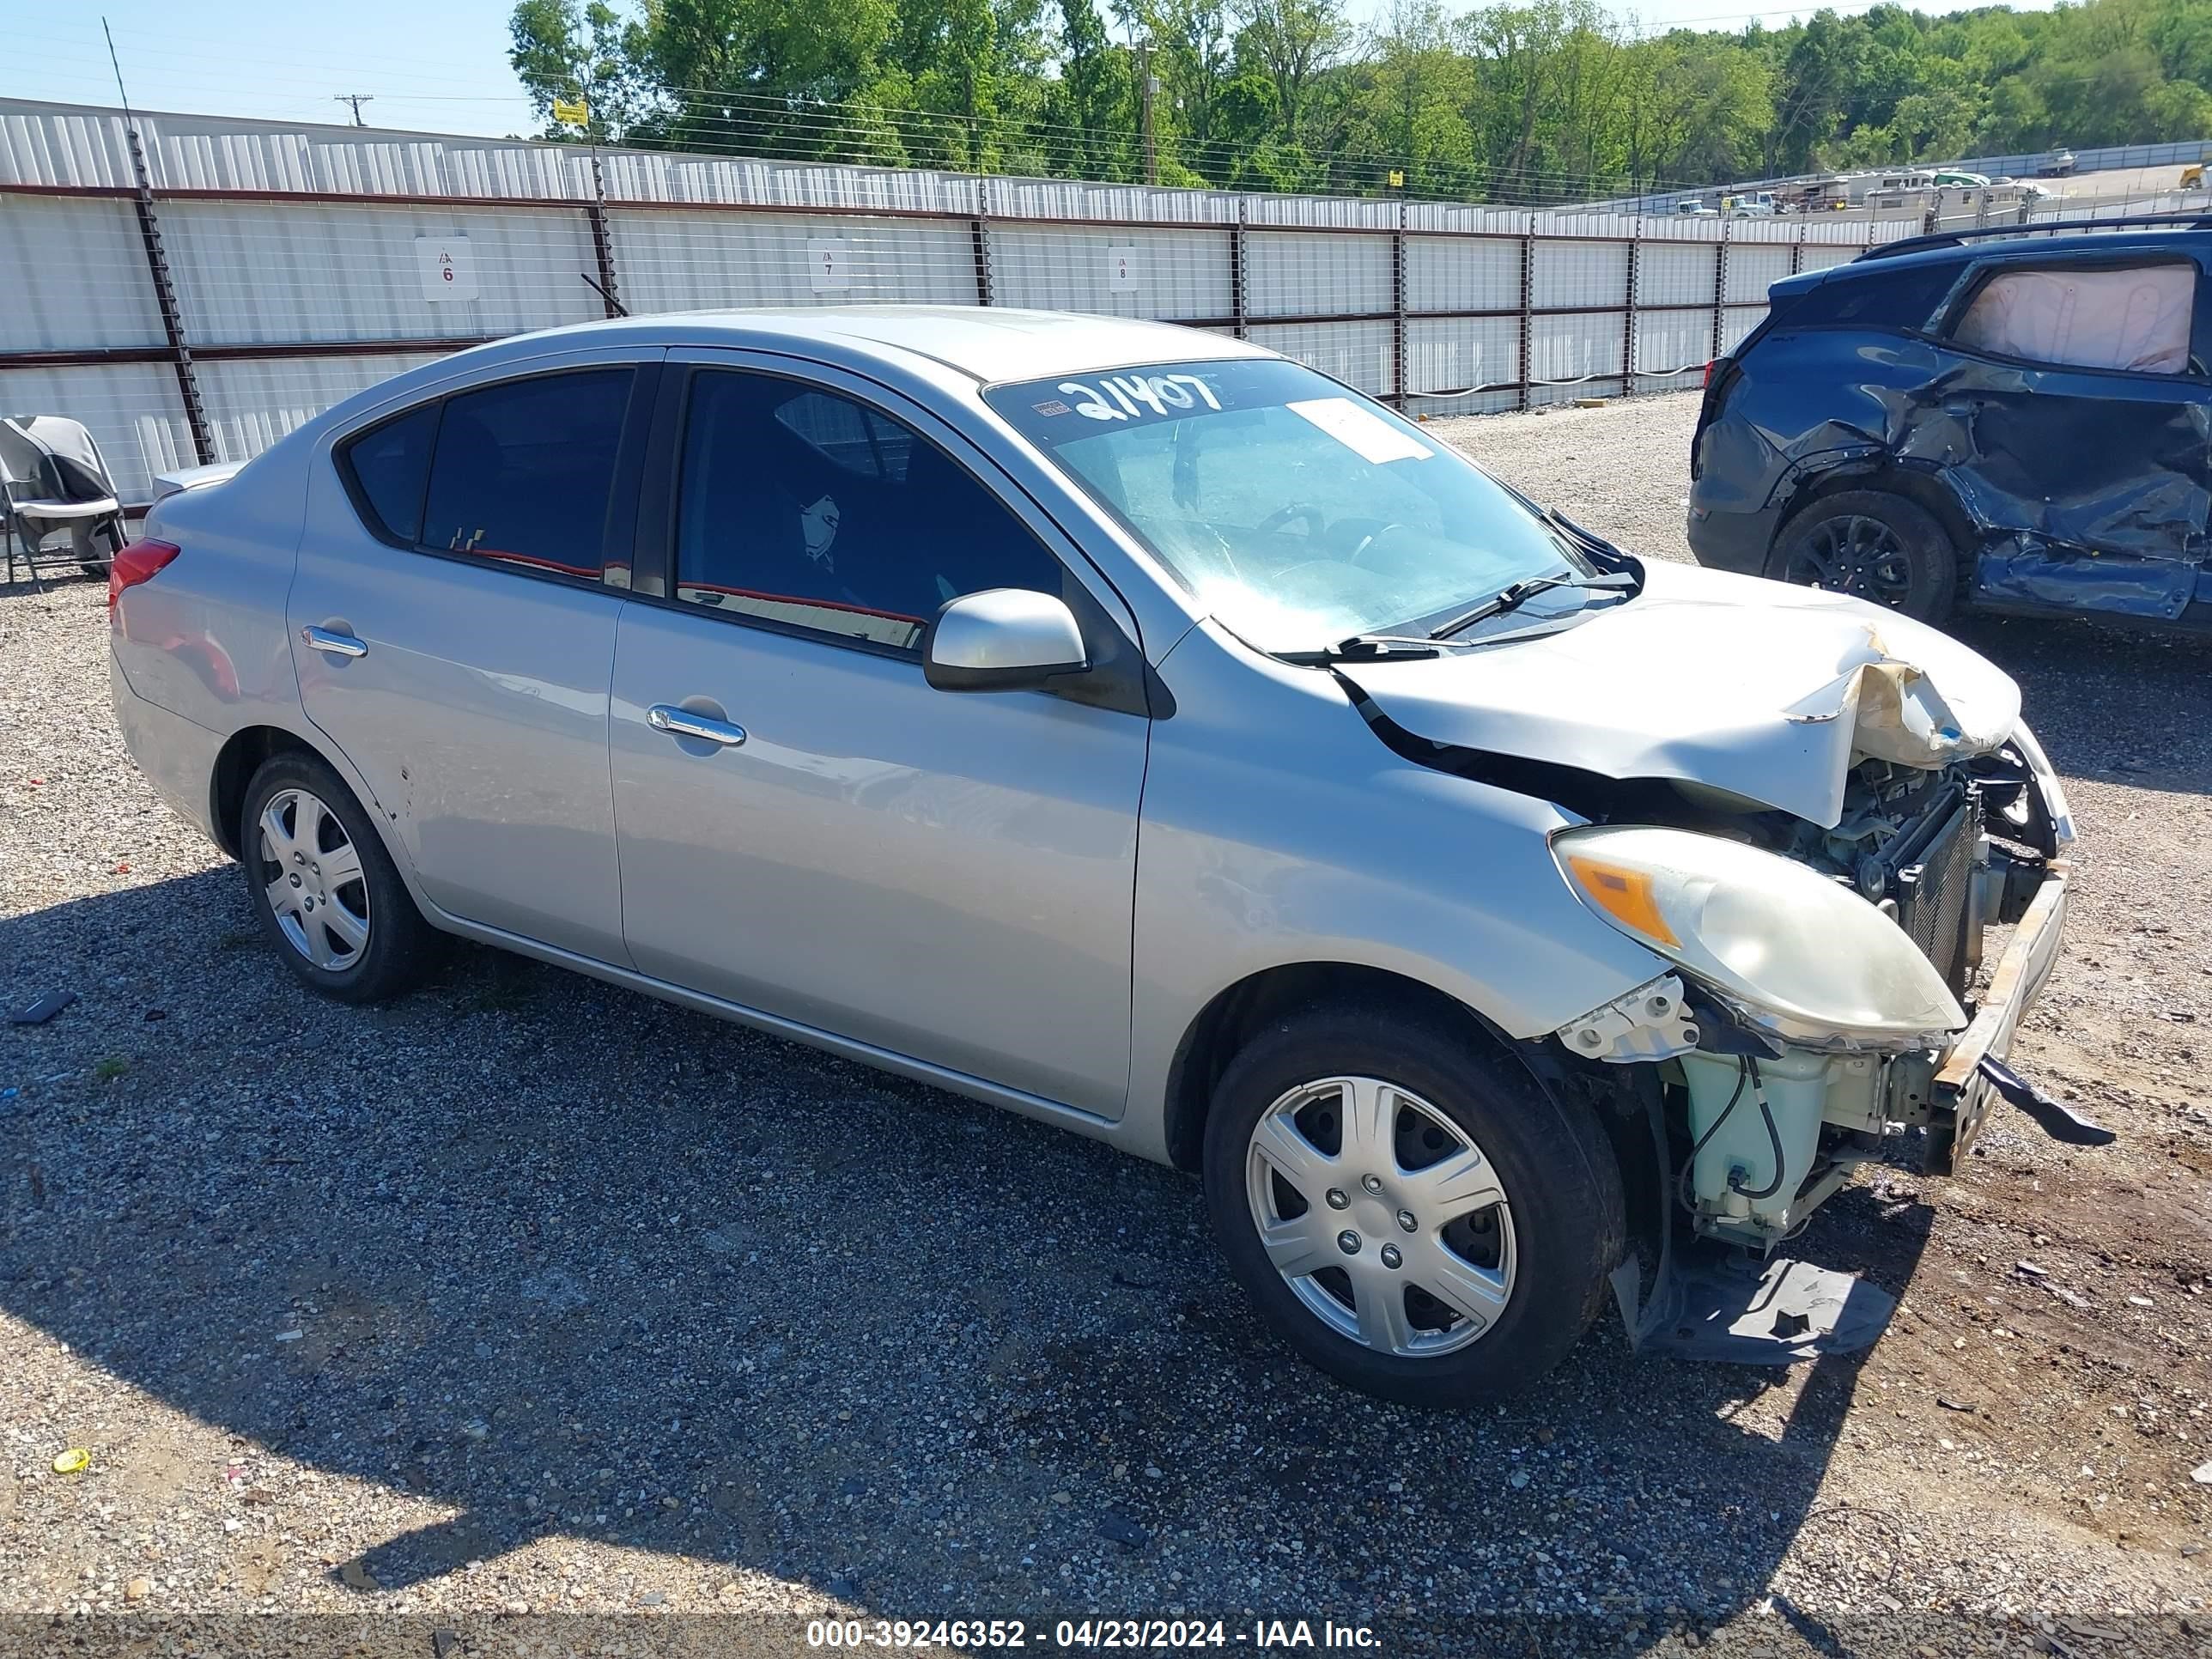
[53, 478]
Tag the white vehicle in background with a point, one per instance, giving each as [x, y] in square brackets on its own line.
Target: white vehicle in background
[1694, 207]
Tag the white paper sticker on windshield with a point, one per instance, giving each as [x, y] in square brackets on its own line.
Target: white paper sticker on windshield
[1362, 431]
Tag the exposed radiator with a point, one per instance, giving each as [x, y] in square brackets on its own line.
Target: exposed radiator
[1934, 877]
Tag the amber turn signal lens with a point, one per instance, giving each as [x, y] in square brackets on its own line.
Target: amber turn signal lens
[1623, 895]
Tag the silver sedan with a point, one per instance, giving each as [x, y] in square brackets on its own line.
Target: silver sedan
[1141, 731]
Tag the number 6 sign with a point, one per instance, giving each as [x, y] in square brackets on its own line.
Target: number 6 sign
[448, 268]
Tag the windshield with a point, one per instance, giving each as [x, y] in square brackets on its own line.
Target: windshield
[1298, 513]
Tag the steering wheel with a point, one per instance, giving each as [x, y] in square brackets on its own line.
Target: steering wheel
[1316, 520]
[1371, 541]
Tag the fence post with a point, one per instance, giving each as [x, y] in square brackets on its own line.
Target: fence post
[165, 294]
[1527, 293]
[1797, 249]
[978, 235]
[1628, 311]
[1720, 286]
[596, 209]
[1236, 269]
[1398, 306]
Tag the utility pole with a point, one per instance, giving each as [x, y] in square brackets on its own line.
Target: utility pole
[356, 99]
[1148, 85]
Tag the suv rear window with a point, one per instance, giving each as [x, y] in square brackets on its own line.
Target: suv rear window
[1903, 296]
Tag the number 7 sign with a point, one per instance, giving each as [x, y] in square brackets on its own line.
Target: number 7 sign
[829, 263]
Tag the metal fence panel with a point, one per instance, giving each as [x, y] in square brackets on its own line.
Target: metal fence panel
[1471, 358]
[1672, 343]
[1117, 273]
[1463, 273]
[254, 272]
[1287, 275]
[1674, 273]
[1576, 356]
[1359, 354]
[1753, 268]
[73, 276]
[1579, 274]
[673, 260]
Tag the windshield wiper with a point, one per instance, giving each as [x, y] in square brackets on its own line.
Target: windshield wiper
[1513, 597]
[1369, 646]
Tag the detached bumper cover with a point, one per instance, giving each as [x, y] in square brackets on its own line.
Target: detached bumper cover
[1963, 1094]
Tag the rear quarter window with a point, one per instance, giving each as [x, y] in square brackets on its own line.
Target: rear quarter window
[1904, 297]
[386, 468]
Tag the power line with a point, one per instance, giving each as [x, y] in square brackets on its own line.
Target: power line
[356, 98]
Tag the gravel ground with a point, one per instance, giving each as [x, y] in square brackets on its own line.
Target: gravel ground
[561, 1320]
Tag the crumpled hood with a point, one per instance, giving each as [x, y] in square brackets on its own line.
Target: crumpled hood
[1767, 690]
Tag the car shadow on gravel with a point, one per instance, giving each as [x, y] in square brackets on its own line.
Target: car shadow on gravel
[573, 1262]
[2108, 704]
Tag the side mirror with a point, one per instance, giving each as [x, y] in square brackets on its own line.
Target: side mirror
[1004, 638]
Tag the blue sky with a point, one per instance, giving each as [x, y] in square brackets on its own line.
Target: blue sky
[435, 65]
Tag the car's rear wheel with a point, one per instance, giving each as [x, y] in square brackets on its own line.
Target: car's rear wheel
[325, 891]
[1876, 546]
[1406, 1206]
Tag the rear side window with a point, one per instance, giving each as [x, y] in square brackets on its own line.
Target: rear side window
[2134, 317]
[387, 466]
[523, 471]
[1902, 296]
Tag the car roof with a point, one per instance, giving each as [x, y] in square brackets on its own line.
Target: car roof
[1942, 248]
[988, 344]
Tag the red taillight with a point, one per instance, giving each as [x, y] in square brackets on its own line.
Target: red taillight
[136, 564]
[1709, 362]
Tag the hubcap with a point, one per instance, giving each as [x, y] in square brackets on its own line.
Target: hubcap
[1337, 1165]
[312, 876]
[1856, 555]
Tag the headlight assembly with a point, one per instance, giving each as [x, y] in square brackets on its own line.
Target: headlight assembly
[1804, 957]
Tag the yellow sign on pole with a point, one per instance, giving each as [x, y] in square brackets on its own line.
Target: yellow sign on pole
[575, 112]
[1397, 178]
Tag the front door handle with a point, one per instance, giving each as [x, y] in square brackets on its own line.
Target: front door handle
[337, 645]
[683, 723]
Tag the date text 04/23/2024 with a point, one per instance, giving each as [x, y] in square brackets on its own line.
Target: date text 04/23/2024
[1261, 1636]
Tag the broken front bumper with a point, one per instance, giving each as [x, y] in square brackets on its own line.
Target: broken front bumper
[1963, 1093]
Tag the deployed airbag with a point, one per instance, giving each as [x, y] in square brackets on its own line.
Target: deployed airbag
[2133, 319]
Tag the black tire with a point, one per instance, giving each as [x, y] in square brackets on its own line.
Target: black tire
[1880, 547]
[398, 947]
[1561, 1183]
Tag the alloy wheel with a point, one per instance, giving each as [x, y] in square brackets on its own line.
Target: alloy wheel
[1855, 555]
[1383, 1216]
[312, 876]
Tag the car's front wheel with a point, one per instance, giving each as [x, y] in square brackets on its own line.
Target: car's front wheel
[1876, 546]
[323, 888]
[1408, 1206]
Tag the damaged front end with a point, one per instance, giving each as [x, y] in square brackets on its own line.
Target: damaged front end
[1777, 1101]
[1822, 831]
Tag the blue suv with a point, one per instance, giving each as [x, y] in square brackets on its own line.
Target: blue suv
[2005, 420]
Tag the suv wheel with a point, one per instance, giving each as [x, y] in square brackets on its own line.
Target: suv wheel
[1407, 1207]
[325, 891]
[1876, 546]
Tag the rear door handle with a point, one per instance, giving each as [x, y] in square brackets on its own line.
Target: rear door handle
[683, 723]
[338, 645]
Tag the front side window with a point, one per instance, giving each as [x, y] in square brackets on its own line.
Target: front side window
[2130, 317]
[800, 507]
[524, 471]
[1298, 513]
